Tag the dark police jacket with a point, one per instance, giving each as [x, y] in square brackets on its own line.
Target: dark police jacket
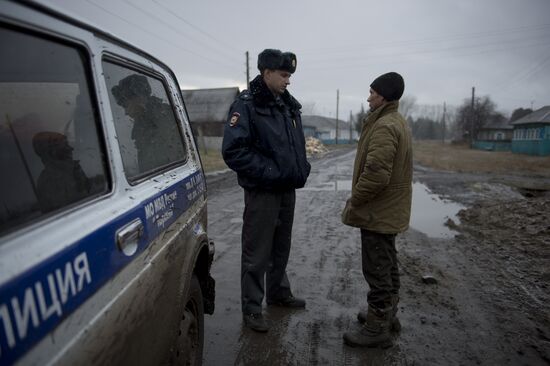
[264, 141]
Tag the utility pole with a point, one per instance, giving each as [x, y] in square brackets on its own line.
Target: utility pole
[247, 72]
[337, 103]
[472, 117]
[350, 125]
[443, 122]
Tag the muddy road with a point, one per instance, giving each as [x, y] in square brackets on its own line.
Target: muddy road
[488, 307]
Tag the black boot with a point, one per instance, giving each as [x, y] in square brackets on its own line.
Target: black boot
[395, 323]
[288, 302]
[375, 332]
[255, 322]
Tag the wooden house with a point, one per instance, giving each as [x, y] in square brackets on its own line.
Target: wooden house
[532, 133]
[208, 109]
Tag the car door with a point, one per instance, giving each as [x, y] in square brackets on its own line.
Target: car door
[100, 225]
[55, 188]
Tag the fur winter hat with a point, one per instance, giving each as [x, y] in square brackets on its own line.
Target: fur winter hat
[276, 60]
[390, 86]
[130, 87]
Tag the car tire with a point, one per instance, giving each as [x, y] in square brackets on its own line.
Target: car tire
[189, 345]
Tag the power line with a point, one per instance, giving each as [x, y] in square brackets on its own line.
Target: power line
[197, 28]
[395, 57]
[413, 51]
[173, 27]
[447, 38]
[157, 36]
[525, 74]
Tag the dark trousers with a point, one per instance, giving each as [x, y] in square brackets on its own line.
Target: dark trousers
[380, 267]
[266, 238]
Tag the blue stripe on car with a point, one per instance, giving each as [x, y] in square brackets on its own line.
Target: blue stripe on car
[35, 302]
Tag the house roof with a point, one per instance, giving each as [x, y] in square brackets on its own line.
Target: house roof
[323, 123]
[498, 124]
[209, 105]
[541, 115]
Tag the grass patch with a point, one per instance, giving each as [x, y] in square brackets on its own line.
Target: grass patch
[461, 158]
[436, 155]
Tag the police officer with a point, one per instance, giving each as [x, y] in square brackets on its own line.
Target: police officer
[264, 144]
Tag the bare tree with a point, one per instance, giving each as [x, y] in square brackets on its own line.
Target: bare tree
[359, 119]
[519, 113]
[469, 120]
[429, 111]
[407, 105]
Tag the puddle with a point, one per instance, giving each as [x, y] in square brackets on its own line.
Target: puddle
[430, 212]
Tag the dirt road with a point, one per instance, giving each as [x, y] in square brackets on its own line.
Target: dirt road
[488, 307]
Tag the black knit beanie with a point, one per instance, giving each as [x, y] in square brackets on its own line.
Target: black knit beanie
[390, 86]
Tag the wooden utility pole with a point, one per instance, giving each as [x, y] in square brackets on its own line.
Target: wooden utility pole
[247, 72]
[443, 122]
[337, 103]
[350, 125]
[472, 117]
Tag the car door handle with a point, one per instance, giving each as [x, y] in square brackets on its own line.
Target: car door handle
[127, 237]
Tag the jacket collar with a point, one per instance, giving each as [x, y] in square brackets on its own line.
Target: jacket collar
[381, 111]
[264, 97]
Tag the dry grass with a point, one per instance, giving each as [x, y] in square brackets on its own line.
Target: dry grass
[437, 155]
[461, 158]
[212, 160]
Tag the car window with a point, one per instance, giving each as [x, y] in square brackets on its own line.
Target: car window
[147, 129]
[51, 156]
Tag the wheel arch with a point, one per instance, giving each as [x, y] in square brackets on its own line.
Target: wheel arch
[202, 267]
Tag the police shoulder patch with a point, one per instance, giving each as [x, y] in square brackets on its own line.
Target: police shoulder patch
[245, 95]
[234, 119]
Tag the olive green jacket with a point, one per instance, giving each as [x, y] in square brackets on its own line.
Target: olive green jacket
[381, 191]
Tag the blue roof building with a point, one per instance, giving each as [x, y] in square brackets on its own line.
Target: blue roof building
[532, 133]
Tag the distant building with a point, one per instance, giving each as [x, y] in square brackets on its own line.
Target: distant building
[532, 133]
[208, 109]
[324, 129]
[496, 135]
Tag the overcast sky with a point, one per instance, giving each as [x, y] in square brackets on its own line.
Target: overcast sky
[442, 48]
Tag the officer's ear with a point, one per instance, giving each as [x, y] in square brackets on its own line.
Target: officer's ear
[266, 75]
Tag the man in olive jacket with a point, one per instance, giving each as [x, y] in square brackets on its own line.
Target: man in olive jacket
[380, 205]
[264, 143]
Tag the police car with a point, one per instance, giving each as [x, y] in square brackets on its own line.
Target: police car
[104, 253]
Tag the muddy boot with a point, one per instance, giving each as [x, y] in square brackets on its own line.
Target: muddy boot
[375, 332]
[395, 323]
